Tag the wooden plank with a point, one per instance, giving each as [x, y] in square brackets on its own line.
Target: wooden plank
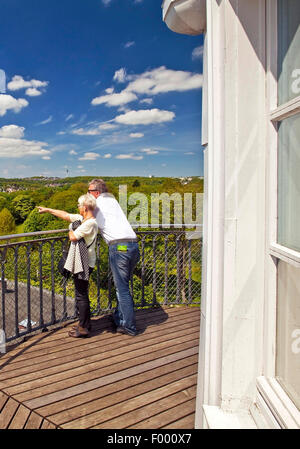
[104, 418]
[10, 378]
[151, 317]
[47, 425]
[84, 398]
[67, 345]
[36, 342]
[8, 413]
[34, 421]
[20, 418]
[107, 378]
[71, 375]
[166, 417]
[90, 356]
[125, 420]
[123, 395]
[188, 422]
[3, 400]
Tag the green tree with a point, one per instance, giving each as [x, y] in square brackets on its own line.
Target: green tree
[136, 183]
[66, 200]
[7, 222]
[36, 222]
[22, 205]
[3, 202]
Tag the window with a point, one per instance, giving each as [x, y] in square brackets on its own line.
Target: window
[286, 118]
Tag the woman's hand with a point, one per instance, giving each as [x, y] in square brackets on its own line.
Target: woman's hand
[42, 210]
[72, 236]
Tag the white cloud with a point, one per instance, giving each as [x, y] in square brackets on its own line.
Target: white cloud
[109, 90]
[12, 144]
[107, 156]
[129, 156]
[129, 44]
[189, 153]
[120, 75]
[115, 99]
[69, 117]
[44, 122]
[107, 126]
[72, 152]
[147, 100]
[46, 158]
[33, 92]
[89, 157]
[136, 135]
[86, 132]
[19, 83]
[197, 53]
[7, 102]
[12, 132]
[162, 80]
[149, 151]
[106, 2]
[61, 133]
[95, 130]
[145, 117]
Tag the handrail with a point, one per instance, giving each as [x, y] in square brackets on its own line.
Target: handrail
[32, 289]
[58, 231]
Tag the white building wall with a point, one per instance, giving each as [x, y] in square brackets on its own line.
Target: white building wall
[231, 338]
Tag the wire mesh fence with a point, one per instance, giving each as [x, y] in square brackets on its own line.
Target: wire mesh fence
[33, 295]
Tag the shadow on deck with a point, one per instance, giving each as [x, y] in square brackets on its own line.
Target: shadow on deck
[108, 381]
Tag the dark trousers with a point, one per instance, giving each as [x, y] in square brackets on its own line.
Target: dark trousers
[82, 301]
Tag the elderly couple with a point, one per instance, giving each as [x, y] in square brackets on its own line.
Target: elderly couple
[99, 209]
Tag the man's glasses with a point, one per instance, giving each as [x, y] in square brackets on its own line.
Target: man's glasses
[93, 190]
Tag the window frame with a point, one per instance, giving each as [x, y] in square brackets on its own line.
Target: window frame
[282, 407]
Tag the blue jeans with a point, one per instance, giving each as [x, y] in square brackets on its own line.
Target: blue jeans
[122, 265]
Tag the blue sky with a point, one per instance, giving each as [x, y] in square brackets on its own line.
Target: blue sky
[98, 87]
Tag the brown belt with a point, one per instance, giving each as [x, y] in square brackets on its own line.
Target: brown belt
[112, 242]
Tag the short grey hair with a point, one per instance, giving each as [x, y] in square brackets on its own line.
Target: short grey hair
[88, 201]
[99, 184]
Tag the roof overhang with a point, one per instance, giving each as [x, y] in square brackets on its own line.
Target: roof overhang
[185, 16]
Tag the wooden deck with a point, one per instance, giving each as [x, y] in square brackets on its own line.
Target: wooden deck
[109, 380]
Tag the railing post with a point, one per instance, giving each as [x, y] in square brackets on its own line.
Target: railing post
[154, 271]
[143, 269]
[98, 246]
[3, 291]
[166, 269]
[16, 256]
[178, 270]
[41, 283]
[190, 269]
[28, 250]
[53, 317]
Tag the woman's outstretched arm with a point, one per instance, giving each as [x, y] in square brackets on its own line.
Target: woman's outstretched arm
[57, 213]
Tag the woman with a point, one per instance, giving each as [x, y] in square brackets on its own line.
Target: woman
[87, 230]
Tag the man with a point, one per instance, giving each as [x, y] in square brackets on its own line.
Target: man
[123, 252]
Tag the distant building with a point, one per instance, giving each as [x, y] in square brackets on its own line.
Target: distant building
[249, 364]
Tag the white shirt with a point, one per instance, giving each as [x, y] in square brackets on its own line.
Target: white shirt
[111, 219]
[87, 230]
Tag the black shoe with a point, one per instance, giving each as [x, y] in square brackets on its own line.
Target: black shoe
[122, 330]
[111, 319]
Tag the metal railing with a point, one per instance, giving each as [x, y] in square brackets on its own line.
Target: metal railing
[33, 295]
